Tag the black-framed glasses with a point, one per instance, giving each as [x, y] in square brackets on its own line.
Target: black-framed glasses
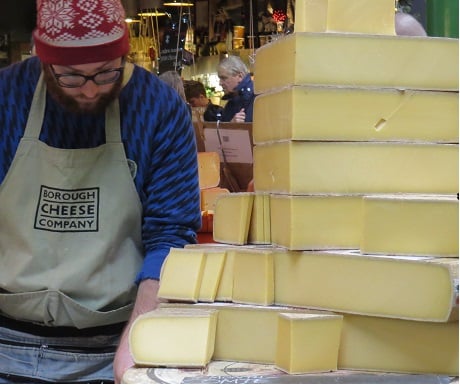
[73, 80]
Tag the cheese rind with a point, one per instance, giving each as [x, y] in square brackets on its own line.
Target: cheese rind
[365, 60]
[232, 217]
[259, 227]
[330, 113]
[181, 275]
[306, 222]
[212, 272]
[182, 337]
[416, 288]
[356, 168]
[308, 343]
[410, 225]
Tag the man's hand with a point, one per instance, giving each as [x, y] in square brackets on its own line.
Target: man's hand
[239, 117]
[146, 300]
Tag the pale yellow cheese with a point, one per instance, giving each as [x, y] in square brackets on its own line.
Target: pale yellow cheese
[361, 16]
[232, 217]
[392, 345]
[209, 196]
[253, 281]
[214, 265]
[208, 169]
[416, 288]
[181, 274]
[356, 114]
[182, 337]
[356, 167]
[306, 222]
[311, 16]
[308, 343]
[426, 63]
[410, 225]
[225, 288]
[259, 227]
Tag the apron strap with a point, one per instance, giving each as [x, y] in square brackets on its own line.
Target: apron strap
[37, 111]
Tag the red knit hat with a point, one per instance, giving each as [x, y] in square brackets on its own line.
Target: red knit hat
[73, 32]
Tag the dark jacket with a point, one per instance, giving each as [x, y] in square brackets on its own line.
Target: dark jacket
[243, 97]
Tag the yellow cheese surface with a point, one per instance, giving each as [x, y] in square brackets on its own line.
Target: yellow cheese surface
[232, 217]
[426, 63]
[213, 267]
[173, 337]
[181, 274]
[253, 281]
[209, 196]
[392, 345]
[356, 167]
[331, 113]
[308, 343]
[259, 227]
[208, 169]
[410, 225]
[305, 222]
[415, 288]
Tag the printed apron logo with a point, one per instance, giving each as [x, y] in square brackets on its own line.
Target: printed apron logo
[68, 210]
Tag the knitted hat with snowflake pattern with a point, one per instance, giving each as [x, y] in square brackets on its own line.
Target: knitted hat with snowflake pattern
[71, 32]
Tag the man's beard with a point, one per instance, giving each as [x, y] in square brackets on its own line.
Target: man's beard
[71, 104]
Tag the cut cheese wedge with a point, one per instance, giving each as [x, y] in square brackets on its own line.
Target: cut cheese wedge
[181, 337]
[232, 217]
[259, 227]
[356, 168]
[416, 288]
[308, 343]
[330, 113]
[209, 196]
[347, 59]
[208, 169]
[306, 222]
[214, 265]
[181, 275]
[253, 281]
[410, 225]
[356, 16]
[400, 346]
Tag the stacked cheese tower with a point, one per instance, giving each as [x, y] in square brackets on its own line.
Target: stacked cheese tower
[348, 249]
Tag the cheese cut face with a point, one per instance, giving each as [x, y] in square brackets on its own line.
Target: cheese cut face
[259, 227]
[253, 281]
[213, 267]
[306, 222]
[209, 196]
[232, 217]
[356, 168]
[361, 16]
[365, 60]
[410, 225]
[181, 337]
[181, 275]
[400, 346]
[416, 288]
[330, 113]
[208, 169]
[308, 343]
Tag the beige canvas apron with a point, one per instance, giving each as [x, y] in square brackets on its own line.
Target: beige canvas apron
[70, 229]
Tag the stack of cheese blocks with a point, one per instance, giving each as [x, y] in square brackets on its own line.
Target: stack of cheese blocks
[346, 256]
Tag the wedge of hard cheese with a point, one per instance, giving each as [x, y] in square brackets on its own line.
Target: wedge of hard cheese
[306, 222]
[331, 113]
[410, 225]
[347, 59]
[208, 169]
[356, 167]
[357, 16]
[175, 337]
[232, 217]
[416, 288]
[259, 226]
[209, 195]
[308, 343]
